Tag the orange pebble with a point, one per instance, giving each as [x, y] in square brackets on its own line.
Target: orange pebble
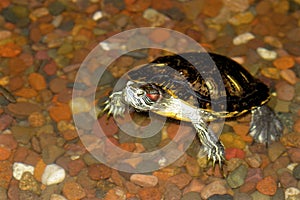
[284, 62]
[37, 81]
[60, 112]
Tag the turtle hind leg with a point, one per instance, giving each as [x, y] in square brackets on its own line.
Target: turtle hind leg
[211, 144]
[265, 125]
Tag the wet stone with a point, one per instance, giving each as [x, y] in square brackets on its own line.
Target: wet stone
[73, 191]
[216, 187]
[267, 186]
[287, 180]
[99, 171]
[237, 177]
[260, 196]
[296, 172]
[51, 152]
[27, 182]
[144, 180]
[220, 197]
[191, 195]
[23, 109]
[180, 180]
[56, 8]
[149, 193]
[285, 91]
[275, 150]
[172, 192]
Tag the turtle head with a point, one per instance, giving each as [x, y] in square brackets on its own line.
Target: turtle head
[143, 96]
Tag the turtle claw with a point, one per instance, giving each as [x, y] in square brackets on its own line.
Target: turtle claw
[265, 126]
[114, 105]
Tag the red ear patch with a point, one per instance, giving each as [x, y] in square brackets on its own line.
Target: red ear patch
[153, 97]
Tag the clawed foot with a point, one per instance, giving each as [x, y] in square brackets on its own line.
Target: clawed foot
[114, 105]
[265, 126]
[216, 154]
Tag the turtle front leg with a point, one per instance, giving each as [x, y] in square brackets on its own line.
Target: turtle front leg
[115, 104]
[265, 126]
[212, 145]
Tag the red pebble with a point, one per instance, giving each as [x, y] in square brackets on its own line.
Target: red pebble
[234, 153]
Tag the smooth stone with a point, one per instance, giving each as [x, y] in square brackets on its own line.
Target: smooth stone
[79, 105]
[172, 192]
[156, 18]
[260, 196]
[291, 193]
[243, 38]
[144, 180]
[266, 54]
[20, 168]
[56, 8]
[53, 174]
[296, 172]
[275, 150]
[279, 195]
[237, 178]
[220, 197]
[191, 196]
[28, 182]
[57, 197]
[216, 187]
[3, 193]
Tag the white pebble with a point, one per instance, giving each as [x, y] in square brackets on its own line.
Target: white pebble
[243, 38]
[20, 168]
[292, 166]
[57, 197]
[97, 15]
[53, 174]
[266, 54]
[291, 192]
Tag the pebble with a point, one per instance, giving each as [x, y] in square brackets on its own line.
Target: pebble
[284, 62]
[231, 140]
[194, 186]
[271, 72]
[156, 18]
[36, 119]
[220, 197]
[273, 41]
[241, 18]
[26, 93]
[99, 171]
[37, 81]
[57, 85]
[287, 180]
[291, 193]
[267, 186]
[254, 160]
[6, 173]
[180, 180]
[243, 38]
[215, 187]
[236, 6]
[237, 177]
[260, 196]
[159, 35]
[296, 172]
[275, 150]
[73, 191]
[5, 121]
[56, 8]
[234, 153]
[53, 174]
[28, 183]
[5, 153]
[294, 154]
[79, 105]
[60, 112]
[289, 76]
[149, 193]
[7, 140]
[57, 197]
[266, 54]
[144, 180]
[10, 50]
[172, 192]
[212, 8]
[39, 170]
[20, 168]
[108, 126]
[51, 152]
[285, 91]
[116, 193]
[23, 109]
[75, 166]
[191, 195]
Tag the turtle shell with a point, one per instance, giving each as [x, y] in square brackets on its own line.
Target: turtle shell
[209, 81]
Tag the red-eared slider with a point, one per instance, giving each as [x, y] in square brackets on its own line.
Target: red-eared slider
[172, 86]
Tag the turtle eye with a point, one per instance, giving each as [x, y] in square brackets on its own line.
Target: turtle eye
[153, 97]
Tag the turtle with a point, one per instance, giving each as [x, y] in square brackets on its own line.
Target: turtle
[188, 87]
